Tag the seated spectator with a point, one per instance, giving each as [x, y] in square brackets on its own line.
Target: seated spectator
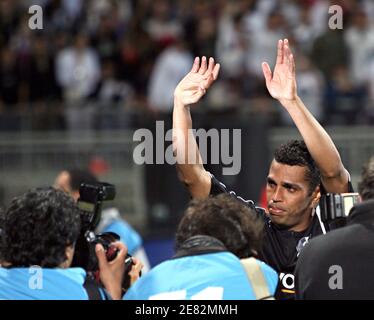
[111, 220]
[38, 234]
[339, 264]
[212, 237]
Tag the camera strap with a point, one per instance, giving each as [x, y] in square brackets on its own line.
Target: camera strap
[94, 291]
[257, 279]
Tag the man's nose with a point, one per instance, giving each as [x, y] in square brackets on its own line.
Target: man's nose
[277, 195]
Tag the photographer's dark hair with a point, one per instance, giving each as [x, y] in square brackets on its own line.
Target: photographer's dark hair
[296, 153]
[226, 219]
[79, 176]
[37, 227]
[366, 186]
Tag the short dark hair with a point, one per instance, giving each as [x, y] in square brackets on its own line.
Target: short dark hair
[79, 176]
[225, 218]
[37, 227]
[366, 186]
[296, 153]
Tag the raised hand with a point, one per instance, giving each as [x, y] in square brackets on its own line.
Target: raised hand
[194, 85]
[282, 84]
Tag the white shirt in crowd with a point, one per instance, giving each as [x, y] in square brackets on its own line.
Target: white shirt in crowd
[170, 67]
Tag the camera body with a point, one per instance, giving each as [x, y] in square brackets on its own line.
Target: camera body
[336, 207]
[90, 205]
[91, 197]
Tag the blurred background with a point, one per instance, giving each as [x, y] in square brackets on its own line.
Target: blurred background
[72, 94]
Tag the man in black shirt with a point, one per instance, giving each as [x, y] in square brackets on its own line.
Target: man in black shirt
[297, 175]
[340, 265]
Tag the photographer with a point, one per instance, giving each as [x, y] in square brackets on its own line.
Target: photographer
[212, 237]
[37, 243]
[111, 220]
[340, 264]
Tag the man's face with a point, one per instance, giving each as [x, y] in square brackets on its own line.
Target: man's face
[289, 200]
[63, 182]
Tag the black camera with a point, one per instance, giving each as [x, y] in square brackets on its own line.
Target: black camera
[336, 207]
[91, 197]
[90, 204]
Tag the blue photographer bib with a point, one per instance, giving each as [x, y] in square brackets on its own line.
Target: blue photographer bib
[42, 284]
[218, 276]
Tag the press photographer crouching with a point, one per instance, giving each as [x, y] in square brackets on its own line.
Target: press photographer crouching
[340, 264]
[38, 235]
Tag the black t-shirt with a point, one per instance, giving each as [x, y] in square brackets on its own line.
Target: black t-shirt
[281, 247]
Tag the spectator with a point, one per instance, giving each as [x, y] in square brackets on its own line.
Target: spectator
[112, 96]
[9, 20]
[230, 45]
[304, 33]
[132, 34]
[9, 80]
[170, 67]
[329, 51]
[261, 47]
[105, 37]
[310, 84]
[161, 25]
[77, 69]
[360, 41]
[345, 99]
[78, 72]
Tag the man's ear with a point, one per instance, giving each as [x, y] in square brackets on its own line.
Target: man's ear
[69, 253]
[75, 195]
[316, 196]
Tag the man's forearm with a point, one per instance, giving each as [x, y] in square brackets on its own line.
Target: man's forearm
[115, 291]
[189, 91]
[184, 144]
[319, 143]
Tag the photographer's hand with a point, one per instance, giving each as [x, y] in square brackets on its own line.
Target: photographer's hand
[111, 273]
[134, 273]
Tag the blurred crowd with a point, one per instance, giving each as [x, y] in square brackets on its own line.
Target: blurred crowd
[107, 57]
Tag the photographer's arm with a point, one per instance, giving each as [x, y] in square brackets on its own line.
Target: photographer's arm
[111, 273]
[189, 162]
[282, 86]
